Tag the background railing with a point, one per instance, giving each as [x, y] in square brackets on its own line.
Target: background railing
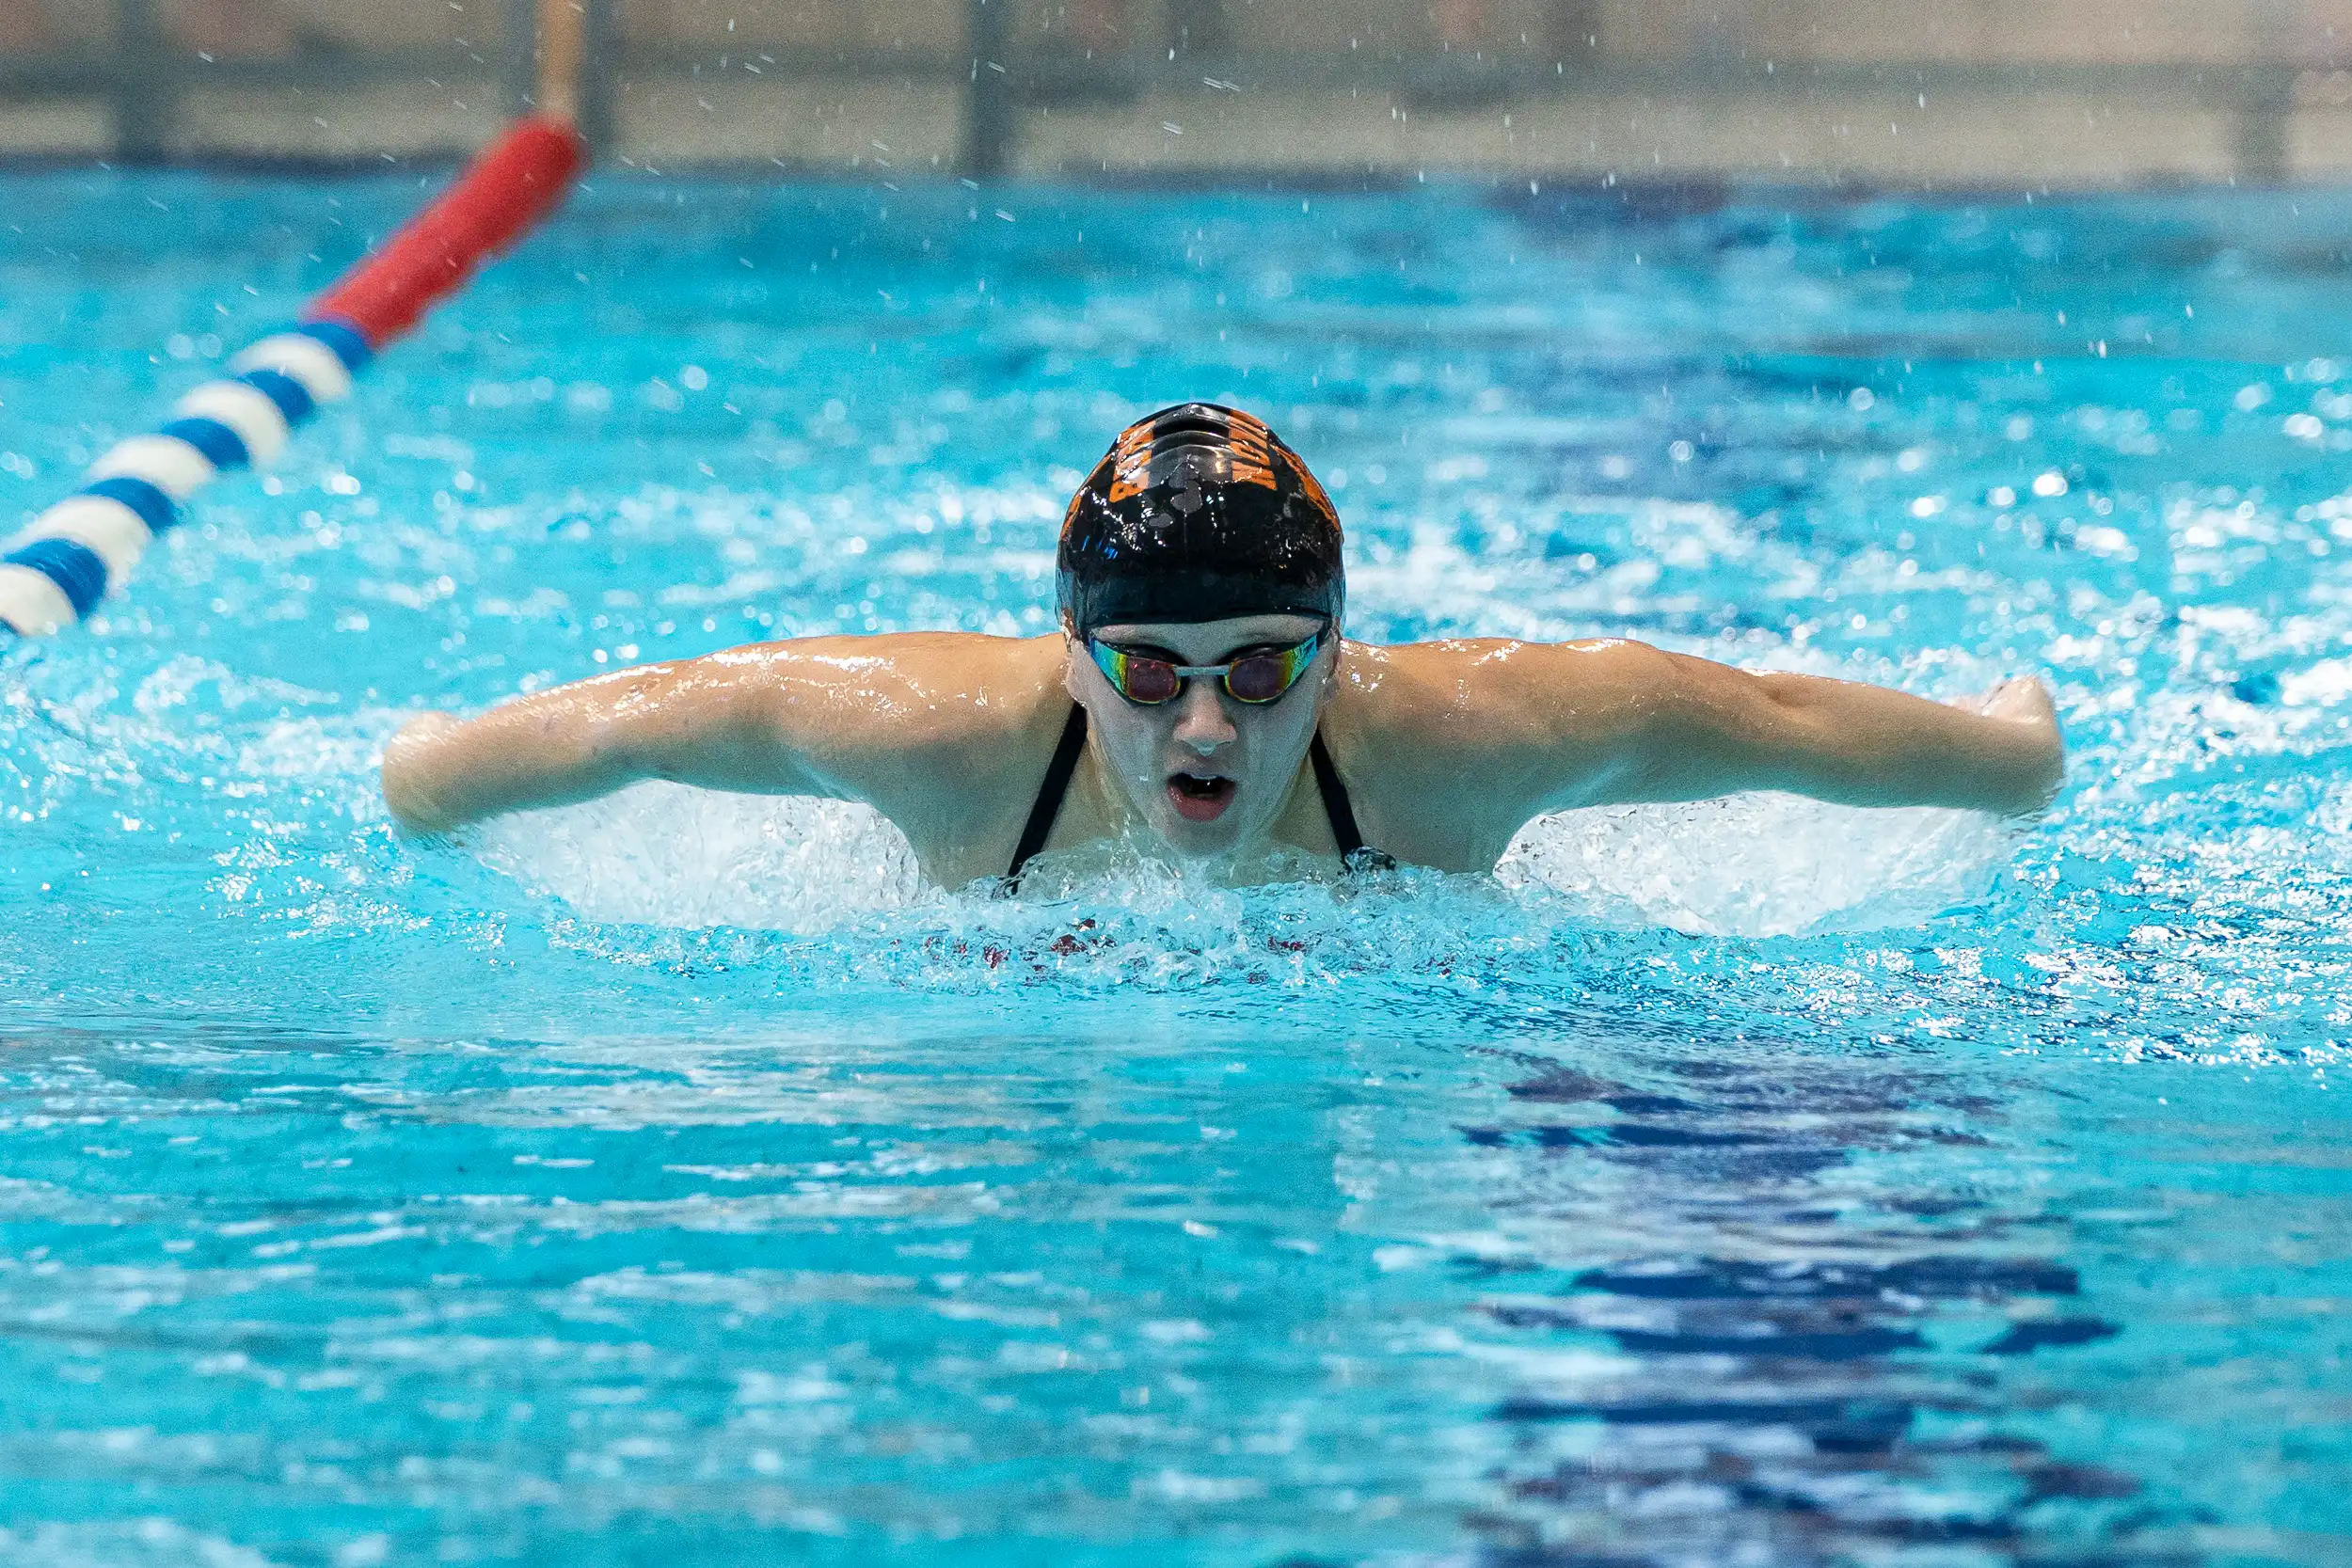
[1986, 89]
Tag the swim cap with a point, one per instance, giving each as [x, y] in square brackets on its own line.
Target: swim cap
[1196, 513]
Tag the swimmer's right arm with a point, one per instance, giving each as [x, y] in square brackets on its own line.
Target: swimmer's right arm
[938, 730]
[697, 721]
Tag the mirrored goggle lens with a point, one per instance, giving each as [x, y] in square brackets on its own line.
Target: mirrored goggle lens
[1262, 677]
[1146, 680]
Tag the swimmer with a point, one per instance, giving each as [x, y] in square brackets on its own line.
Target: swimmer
[1200, 702]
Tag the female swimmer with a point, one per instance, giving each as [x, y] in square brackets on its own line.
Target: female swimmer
[1200, 700]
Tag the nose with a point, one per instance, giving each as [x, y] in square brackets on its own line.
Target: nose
[1201, 721]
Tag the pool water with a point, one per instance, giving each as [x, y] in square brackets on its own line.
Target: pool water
[676, 1178]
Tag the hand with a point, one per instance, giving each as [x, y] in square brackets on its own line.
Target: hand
[2025, 701]
[2025, 698]
[407, 763]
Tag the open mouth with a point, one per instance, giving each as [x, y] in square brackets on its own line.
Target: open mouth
[1198, 799]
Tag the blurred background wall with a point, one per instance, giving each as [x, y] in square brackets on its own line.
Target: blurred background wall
[1875, 92]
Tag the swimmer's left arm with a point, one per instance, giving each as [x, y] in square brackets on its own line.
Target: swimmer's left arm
[1679, 728]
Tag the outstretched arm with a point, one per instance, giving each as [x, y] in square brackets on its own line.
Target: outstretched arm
[709, 721]
[1688, 728]
[880, 719]
[1454, 747]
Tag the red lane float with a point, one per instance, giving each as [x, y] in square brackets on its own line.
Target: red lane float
[506, 194]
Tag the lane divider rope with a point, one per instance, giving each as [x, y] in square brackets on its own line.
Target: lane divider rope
[56, 572]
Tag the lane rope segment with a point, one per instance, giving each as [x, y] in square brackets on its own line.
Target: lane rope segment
[69, 558]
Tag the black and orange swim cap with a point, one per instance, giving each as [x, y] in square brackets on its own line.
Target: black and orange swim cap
[1197, 513]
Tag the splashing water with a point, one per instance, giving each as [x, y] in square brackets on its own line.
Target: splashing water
[1756, 865]
[678, 1176]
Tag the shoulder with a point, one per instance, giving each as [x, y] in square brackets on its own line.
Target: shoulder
[902, 690]
[945, 733]
[1496, 690]
[1452, 745]
[945, 659]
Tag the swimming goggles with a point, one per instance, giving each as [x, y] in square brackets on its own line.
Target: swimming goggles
[1256, 678]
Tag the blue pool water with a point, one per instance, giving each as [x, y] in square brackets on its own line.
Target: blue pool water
[676, 1179]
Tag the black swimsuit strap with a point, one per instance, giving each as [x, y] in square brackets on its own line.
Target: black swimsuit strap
[1049, 794]
[1354, 852]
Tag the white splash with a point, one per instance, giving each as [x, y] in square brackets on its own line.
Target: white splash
[1753, 865]
[664, 854]
[1761, 864]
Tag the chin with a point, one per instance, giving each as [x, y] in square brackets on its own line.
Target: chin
[1198, 841]
[1214, 839]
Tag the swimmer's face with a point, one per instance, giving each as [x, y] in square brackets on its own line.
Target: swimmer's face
[1208, 773]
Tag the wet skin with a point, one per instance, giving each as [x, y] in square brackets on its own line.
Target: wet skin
[1447, 749]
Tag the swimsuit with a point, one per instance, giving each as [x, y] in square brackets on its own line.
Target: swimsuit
[1354, 852]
